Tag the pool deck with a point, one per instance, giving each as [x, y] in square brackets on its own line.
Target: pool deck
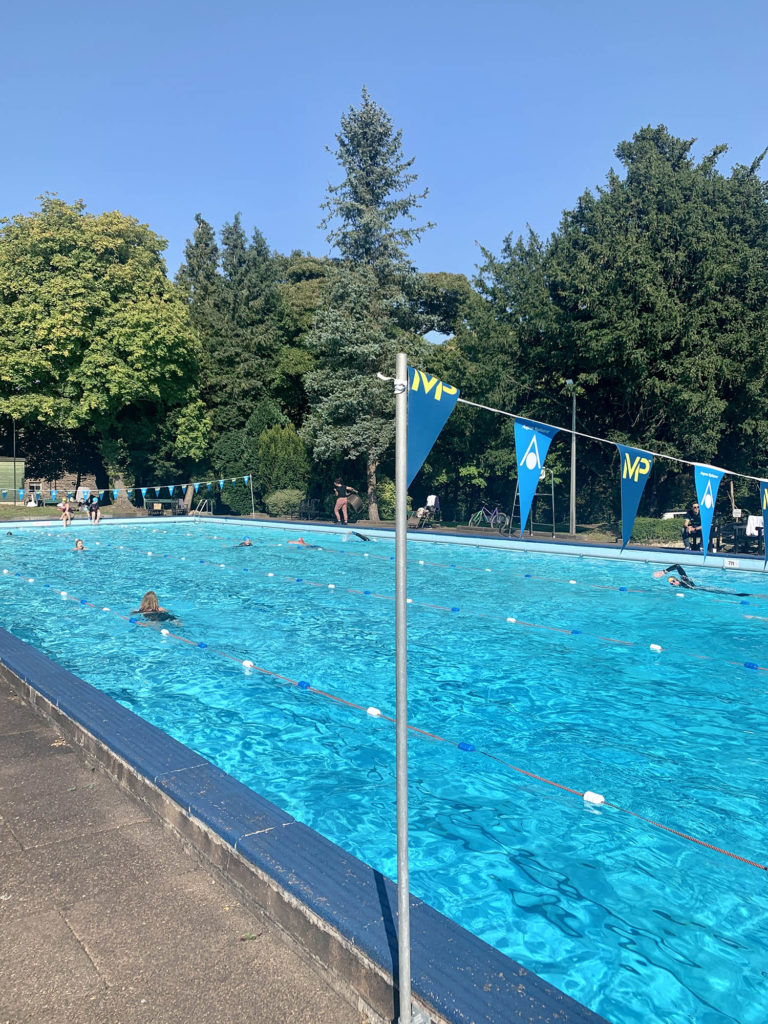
[106, 916]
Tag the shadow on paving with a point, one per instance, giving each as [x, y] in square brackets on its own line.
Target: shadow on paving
[106, 919]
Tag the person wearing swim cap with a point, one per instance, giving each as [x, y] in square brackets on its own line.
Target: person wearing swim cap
[684, 582]
[303, 544]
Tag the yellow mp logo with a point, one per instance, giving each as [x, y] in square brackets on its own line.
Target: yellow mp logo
[428, 383]
[765, 498]
[634, 468]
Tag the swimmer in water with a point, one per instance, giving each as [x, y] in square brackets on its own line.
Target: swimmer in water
[152, 611]
[684, 582]
[79, 546]
[303, 544]
[244, 543]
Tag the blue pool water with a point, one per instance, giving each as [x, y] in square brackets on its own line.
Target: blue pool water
[638, 923]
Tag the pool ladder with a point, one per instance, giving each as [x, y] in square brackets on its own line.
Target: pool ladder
[203, 508]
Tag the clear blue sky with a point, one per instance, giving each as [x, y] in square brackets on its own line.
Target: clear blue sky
[166, 108]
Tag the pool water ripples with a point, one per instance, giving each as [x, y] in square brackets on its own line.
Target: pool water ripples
[635, 922]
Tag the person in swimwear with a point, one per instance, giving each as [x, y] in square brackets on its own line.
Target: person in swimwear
[244, 543]
[152, 611]
[303, 544]
[79, 546]
[684, 581]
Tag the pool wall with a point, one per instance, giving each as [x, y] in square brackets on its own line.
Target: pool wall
[341, 912]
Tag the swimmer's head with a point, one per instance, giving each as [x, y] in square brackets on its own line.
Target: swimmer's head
[674, 581]
[247, 541]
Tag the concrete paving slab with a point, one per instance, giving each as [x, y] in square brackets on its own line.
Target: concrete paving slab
[61, 964]
[105, 918]
[14, 715]
[75, 803]
[20, 749]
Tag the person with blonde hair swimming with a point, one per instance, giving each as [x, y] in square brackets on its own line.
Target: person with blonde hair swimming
[152, 611]
[79, 546]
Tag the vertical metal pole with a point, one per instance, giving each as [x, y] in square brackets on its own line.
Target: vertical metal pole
[253, 508]
[573, 463]
[15, 492]
[401, 676]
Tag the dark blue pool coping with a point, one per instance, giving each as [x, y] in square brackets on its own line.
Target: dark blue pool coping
[338, 908]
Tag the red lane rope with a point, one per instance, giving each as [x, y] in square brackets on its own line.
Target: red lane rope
[412, 728]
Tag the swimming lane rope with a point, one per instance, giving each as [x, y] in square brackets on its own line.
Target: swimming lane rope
[590, 798]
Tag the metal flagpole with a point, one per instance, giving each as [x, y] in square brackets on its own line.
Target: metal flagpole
[401, 675]
[408, 1015]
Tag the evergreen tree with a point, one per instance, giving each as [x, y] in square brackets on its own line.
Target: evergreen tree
[367, 316]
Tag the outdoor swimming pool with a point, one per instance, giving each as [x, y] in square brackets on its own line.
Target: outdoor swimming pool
[638, 923]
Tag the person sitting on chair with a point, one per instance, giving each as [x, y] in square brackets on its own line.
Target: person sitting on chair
[691, 532]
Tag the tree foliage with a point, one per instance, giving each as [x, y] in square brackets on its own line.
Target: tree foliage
[368, 313]
[92, 333]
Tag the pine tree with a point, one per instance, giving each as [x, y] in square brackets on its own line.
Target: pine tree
[367, 316]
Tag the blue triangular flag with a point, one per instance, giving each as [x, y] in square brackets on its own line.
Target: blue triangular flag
[532, 441]
[635, 467]
[707, 480]
[430, 403]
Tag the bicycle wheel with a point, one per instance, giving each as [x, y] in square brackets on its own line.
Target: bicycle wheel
[476, 519]
[500, 521]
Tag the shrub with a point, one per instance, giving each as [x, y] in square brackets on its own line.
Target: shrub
[283, 503]
[282, 460]
[385, 495]
[647, 531]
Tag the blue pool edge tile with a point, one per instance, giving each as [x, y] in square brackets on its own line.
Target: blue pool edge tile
[454, 973]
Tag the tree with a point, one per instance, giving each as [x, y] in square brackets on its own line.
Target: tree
[92, 333]
[652, 296]
[367, 316]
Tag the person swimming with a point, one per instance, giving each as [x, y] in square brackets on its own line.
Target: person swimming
[684, 582]
[244, 543]
[79, 546]
[152, 611]
[303, 544]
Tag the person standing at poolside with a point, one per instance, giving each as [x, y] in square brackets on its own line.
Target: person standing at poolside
[341, 490]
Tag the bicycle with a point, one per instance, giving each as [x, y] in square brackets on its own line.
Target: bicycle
[490, 517]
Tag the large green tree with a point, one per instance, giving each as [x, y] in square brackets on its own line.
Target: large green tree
[368, 312]
[92, 333]
[652, 296]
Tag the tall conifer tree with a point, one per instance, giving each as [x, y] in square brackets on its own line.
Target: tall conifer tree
[366, 316]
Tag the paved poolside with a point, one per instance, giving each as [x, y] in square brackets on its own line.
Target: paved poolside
[106, 918]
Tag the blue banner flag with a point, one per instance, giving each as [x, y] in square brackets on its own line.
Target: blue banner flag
[246, 479]
[221, 485]
[21, 494]
[115, 493]
[5, 495]
[86, 493]
[764, 507]
[129, 492]
[144, 491]
[53, 495]
[532, 441]
[101, 495]
[430, 403]
[635, 470]
[707, 483]
[197, 488]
